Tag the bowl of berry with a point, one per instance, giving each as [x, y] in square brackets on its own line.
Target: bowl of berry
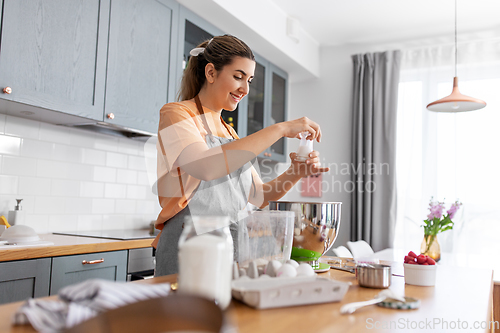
[419, 270]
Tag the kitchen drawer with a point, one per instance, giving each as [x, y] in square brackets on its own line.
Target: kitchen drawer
[24, 279]
[68, 270]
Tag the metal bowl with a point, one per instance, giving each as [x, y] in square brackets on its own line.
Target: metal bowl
[373, 275]
[316, 224]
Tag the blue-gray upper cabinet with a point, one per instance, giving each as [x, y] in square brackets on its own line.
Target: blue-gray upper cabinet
[53, 54]
[277, 110]
[68, 270]
[139, 62]
[24, 279]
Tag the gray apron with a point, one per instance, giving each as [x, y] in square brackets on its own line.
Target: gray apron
[223, 196]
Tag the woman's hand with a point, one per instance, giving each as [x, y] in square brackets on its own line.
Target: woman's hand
[292, 128]
[310, 167]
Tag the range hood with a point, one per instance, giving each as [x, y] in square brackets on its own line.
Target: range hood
[114, 130]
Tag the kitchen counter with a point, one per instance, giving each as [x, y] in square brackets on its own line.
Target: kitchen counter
[70, 245]
[461, 296]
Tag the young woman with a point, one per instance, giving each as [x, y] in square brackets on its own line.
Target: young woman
[203, 167]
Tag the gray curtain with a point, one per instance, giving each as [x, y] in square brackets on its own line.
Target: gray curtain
[375, 96]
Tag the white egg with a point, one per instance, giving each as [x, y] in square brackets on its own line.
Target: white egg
[272, 267]
[286, 270]
[293, 263]
[305, 270]
[264, 276]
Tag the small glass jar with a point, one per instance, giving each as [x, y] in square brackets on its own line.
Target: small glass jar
[206, 258]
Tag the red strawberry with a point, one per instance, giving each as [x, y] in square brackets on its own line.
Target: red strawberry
[408, 259]
[412, 254]
[412, 262]
[425, 263]
[421, 259]
[431, 261]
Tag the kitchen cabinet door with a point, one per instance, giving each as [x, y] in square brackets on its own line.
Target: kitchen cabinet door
[278, 97]
[68, 270]
[24, 279]
[137, 82]
[53, 54]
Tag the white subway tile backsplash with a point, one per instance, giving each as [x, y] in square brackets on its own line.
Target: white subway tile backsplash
[136, 162]
[52, 169]
[21, 166]
[118, 191]
[9, 184]
[77, 205]
[73, 179]
[2, 123]
[54, 133]
[81, 172]
[107, 143]
[38, 222]
[21, 127]
[63, 222]
[103, 174]
[147, 207]
[116, 160]
[34, 186]
[37, 149]
[67, 153]
[125, 206]
[91, 190]
[127, 146]
[136, 192]
[103, 206]
[65, 188]
[94, 157]
[89, 222]
[10, 145]
[127, 176]
[49, 205]
[142, 178]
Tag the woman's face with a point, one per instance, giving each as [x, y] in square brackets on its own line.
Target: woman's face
[232, 83]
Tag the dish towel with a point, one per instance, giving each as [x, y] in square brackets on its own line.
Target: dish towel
[83, 301]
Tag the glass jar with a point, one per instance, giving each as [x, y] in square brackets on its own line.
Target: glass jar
[206, 258]
[430, 247]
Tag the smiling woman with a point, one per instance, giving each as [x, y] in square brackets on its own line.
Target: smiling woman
[203, 167]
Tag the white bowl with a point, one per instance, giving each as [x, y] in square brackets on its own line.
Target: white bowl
[19, 234]
[420, 275]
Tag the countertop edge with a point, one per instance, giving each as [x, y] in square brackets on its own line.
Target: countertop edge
[71, 245]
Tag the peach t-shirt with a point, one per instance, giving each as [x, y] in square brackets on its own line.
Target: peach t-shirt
[180, 126]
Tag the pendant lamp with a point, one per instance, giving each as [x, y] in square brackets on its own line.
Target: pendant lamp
[456, 102]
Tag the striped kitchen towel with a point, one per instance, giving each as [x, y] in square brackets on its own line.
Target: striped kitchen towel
[83, 301]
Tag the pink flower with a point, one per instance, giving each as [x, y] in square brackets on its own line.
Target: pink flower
[453, 209]
[436, 209]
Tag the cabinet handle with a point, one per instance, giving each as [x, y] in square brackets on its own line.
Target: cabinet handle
[7, 90]
[92, 262]
[110, 116]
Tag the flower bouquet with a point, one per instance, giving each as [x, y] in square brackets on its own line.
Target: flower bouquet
[435, 223]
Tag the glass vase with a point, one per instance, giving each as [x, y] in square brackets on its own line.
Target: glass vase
[430, 247]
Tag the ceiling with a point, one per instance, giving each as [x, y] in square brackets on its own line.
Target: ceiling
[338, 22]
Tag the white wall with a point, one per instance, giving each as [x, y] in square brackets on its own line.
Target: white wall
[73, 179]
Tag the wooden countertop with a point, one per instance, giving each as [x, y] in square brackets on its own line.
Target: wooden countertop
[460, 296]
[69, 245]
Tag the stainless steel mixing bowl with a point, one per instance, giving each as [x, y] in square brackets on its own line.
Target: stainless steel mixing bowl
[316, 224]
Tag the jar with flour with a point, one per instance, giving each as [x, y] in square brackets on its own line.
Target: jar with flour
[206, 258]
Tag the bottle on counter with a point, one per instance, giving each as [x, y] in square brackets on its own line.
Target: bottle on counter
[16, 216]
[206, 258]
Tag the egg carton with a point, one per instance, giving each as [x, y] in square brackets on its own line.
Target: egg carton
[283, 292]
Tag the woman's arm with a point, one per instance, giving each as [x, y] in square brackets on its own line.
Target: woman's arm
[207, 164]
[278, 187]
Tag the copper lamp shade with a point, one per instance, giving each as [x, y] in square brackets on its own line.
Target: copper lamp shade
[456, 102]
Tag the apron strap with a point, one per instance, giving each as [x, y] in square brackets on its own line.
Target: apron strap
[203, 118]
